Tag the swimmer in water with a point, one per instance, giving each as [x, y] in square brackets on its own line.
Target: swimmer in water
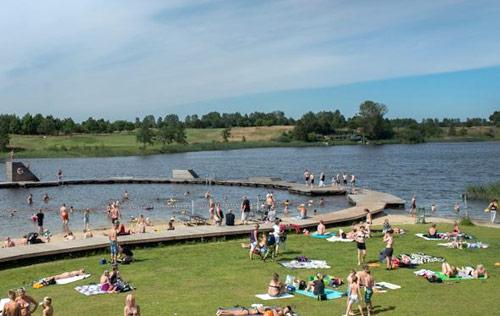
[46, 198]
[29, 199]
[125, 195]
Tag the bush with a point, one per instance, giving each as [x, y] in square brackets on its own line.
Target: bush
[466, 221]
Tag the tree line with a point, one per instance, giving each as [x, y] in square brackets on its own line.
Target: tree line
[369, 123]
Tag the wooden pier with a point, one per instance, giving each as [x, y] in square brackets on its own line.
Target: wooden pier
[260, 182]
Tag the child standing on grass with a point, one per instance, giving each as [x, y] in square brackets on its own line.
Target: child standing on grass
[353, 296]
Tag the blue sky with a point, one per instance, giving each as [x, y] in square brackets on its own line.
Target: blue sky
[123, 58]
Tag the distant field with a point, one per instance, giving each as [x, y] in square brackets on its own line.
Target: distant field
[126, 144]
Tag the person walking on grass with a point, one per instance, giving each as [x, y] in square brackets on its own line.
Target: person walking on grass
[388, 251]
[492, 208]
[361, 245]
[354, 294]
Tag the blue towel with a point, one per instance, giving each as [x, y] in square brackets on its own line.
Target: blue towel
[326, 235]
[330, 294]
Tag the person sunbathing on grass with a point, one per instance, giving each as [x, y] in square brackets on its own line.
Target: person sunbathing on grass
[65, 275]
[275, 287]
[105, 283]
[432, 232]
[449, 270]
[261, 310]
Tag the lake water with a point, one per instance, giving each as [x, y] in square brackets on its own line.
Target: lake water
[436, 172]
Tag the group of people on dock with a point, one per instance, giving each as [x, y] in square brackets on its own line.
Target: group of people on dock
[339, 179]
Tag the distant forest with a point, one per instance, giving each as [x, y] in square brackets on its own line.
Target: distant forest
[370, 123]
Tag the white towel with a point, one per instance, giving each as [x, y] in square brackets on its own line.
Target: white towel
[72, 279]
[388, 285]
[267, 297]
[336, 238]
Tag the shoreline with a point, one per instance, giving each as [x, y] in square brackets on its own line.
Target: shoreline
[98, 151]
[378, 220]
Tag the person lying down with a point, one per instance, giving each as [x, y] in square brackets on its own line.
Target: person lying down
[259, 310]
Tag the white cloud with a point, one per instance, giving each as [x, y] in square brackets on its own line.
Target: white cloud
[123, 58]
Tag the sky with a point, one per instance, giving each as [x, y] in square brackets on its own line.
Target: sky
[119, 59]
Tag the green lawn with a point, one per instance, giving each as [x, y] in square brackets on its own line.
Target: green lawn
[195, 279]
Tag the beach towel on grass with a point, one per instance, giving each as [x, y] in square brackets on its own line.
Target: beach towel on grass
[312, 264]
[324, 236]
[426, 238]
[469, 245]
[330, 294]
[386, 285]
[72, 279]
[418, 258]
[92, 289]
[267, 297]
[335, 239]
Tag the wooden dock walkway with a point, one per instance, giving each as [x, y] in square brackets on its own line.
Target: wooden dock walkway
[375, 201]
[260, 182]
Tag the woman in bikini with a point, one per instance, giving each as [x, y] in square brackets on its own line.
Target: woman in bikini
[131, 308]
[26, 303]
[261, 310]
[275, 288]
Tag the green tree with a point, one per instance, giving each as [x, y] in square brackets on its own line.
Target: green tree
[226, 133]
[372, 121]
[495, 118]
[172, 130]
[144, 134]
[4, 138]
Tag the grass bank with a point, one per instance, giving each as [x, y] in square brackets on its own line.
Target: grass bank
[195, 279]
[486, 192]
[125, 144]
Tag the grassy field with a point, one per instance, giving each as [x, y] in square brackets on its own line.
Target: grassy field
[125, 143]
[195, 279]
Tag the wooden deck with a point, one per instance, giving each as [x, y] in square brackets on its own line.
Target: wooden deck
[262, 182]
[373, 200]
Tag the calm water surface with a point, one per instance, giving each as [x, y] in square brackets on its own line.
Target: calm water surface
[435, 172]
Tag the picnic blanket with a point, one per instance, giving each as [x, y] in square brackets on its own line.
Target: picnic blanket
[324, 236]
[88, 290]
[386, 285]
[336, 238]
[267, 297]
[470, 245]
[72, 279]
[312, 264]
[3, 301]
[330, 294]
[419, 258]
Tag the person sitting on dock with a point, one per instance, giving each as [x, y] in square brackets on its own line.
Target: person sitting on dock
[321, 230]
[87, 233]
[8, 243]
[171, 224]
[230, 218]
[69, 236]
